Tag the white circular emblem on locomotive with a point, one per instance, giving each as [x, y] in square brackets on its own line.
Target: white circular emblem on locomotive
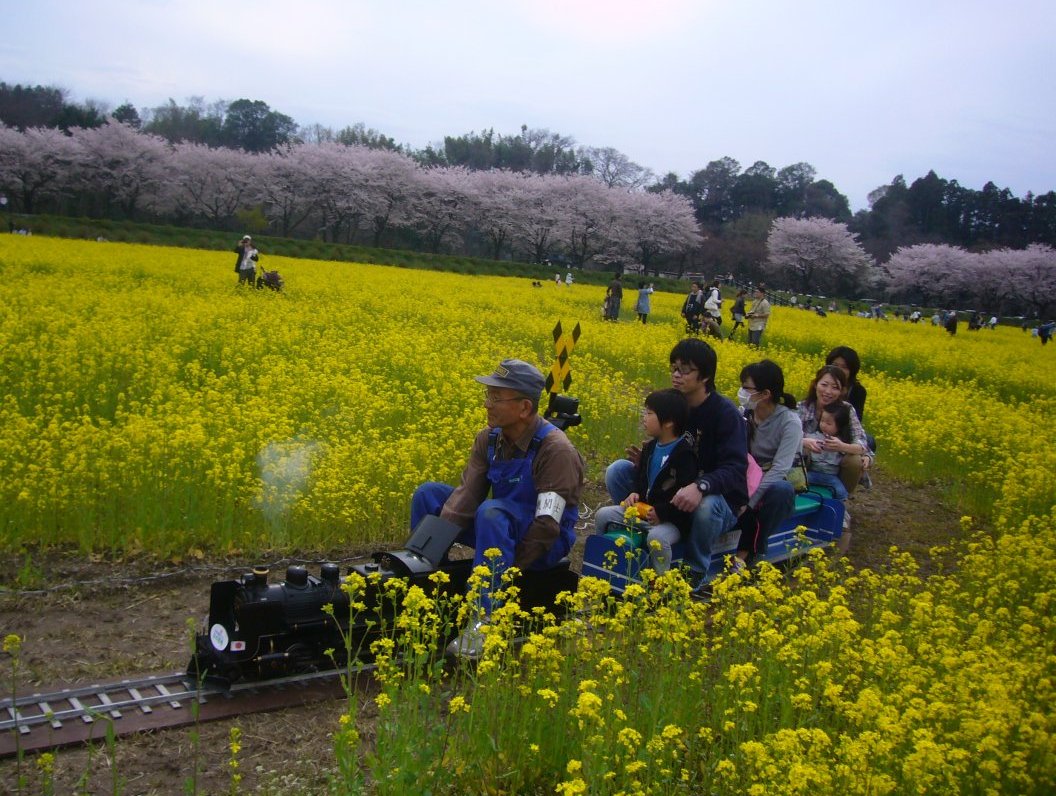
[218, 636]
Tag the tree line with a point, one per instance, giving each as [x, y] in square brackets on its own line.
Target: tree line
[344, 194]
[533, 194]
[817, 256]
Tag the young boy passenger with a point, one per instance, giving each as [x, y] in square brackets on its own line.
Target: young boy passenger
[667, 463]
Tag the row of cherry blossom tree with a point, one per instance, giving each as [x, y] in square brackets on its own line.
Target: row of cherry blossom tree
[356, 194]
[342, 193]
[1002, 281]
[819, 256]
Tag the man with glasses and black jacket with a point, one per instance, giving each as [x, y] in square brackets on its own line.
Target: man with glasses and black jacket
[721, 444]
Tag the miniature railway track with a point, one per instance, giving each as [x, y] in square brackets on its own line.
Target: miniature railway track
[75, 715]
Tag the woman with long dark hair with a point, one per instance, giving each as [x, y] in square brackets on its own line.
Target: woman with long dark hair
[830, 385]
[847, 358]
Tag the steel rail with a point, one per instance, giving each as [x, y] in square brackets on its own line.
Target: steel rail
[68, 716]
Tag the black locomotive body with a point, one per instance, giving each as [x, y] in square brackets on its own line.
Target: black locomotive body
[259, 630]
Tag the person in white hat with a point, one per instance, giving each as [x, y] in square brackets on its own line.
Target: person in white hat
[246, 264]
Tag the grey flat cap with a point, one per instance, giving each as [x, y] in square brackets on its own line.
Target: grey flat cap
[516, 374]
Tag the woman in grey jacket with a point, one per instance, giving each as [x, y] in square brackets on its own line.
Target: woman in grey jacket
[775, 434]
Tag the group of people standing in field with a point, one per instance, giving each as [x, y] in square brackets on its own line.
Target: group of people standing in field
[702, 308]
[710, 466]
[702, 311]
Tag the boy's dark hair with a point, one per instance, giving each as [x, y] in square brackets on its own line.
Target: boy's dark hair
[841, 413]
[670, 406]
[700, 355]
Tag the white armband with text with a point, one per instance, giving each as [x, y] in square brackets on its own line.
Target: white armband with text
[550, 504]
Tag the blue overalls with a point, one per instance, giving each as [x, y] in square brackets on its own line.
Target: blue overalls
[502, 520]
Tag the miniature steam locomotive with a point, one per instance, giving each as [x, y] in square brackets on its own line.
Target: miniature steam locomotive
[258, 629]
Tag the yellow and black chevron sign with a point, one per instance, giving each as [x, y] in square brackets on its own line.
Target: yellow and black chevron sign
[560, 376]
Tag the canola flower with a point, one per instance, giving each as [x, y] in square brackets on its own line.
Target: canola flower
[136, 407]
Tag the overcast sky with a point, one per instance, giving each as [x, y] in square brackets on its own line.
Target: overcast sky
[861, 91]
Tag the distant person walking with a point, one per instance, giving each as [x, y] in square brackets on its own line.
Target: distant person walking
[712, 316]
[713, 292]
[738, 312]
[1045, 331]
[643, 307]
[568, 279]
[758, 316]
[950, 322]
[693, 308]
[246, 264]
[613, 299]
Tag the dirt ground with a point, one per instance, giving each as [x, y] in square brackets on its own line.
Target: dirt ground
[114, 619]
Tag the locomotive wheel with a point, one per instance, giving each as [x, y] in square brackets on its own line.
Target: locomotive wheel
[301, 659]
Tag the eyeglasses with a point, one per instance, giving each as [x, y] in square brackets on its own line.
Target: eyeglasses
[490, 400]
[682, 370]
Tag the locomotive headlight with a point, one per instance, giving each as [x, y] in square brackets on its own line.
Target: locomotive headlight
[218, 637]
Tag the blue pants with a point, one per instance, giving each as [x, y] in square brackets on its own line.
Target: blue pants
[777, 504]
[831, 480]
[495, 525]
[711, 519]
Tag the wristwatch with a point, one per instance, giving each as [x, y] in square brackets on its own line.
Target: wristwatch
[703, 485]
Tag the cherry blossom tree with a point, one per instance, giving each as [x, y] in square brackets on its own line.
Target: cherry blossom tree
[344, 205]
[540, 207]
[121, 166]
[1032, 272]
[991, 284]
[998, 281]
[931, 274]
[816, 255]
[287, 186]
[342, 192]
[35, 166]
[210, 183]
[391, 182]
[446, 205]
[662, 223]
[498, 203]
[595, 221]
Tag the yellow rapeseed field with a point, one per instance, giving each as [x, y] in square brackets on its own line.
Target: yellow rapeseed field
[148, 403]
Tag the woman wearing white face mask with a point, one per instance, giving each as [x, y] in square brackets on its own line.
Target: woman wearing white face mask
[774, 438]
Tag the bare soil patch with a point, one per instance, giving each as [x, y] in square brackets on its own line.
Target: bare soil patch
[118, 619]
